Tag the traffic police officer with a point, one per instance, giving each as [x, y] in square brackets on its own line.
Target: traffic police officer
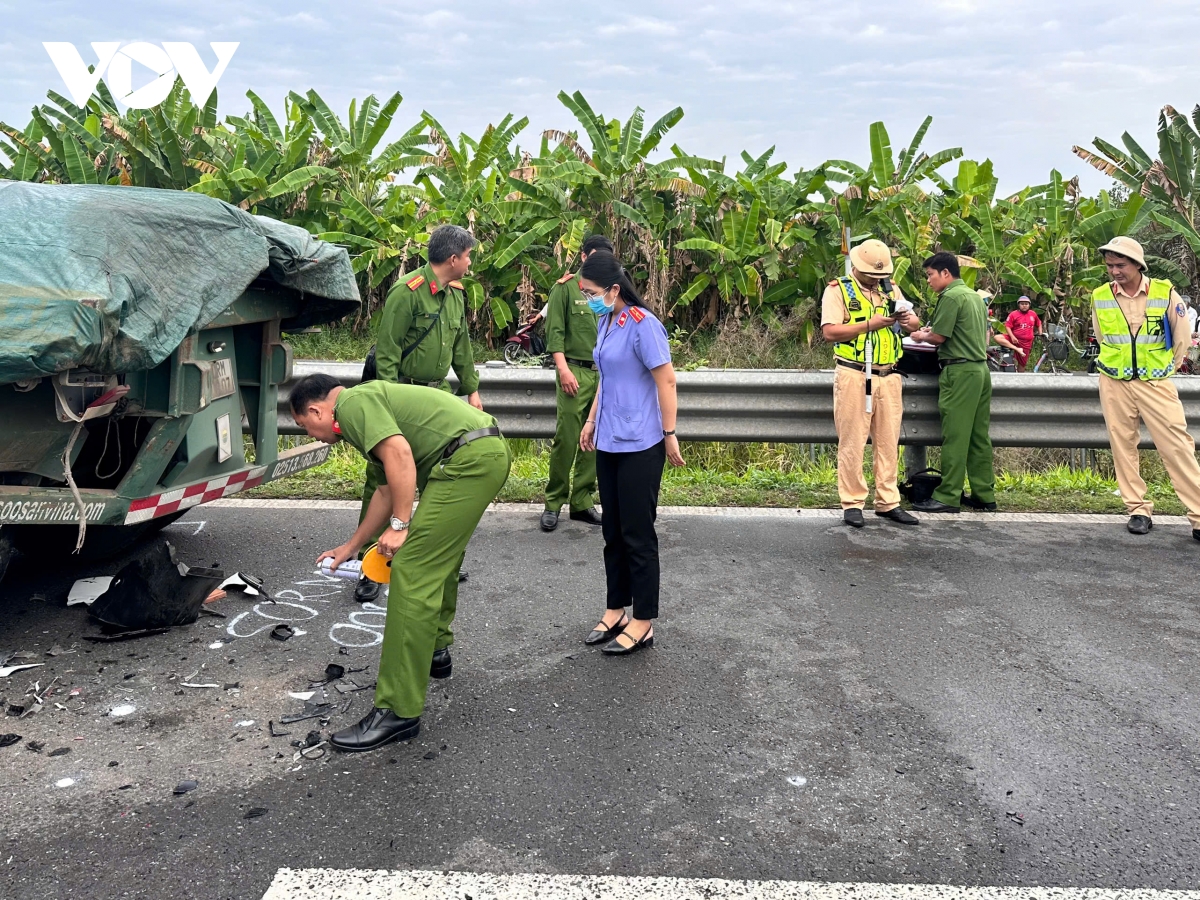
[856, 310]
[570, 339]
[413, 439]
[422, 333]
[959, 326]
[1142, 326]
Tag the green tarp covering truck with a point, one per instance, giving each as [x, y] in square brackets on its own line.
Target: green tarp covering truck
[140, 335]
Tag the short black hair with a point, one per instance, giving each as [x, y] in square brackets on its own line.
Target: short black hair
[447, 241]
[594, 242]
[943, 261]
[308, 389]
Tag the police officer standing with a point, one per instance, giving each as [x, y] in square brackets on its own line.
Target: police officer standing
[858, 312]
[570, 339]
[1142, 326]
[959, 326]
[413, 439]
[422, 333]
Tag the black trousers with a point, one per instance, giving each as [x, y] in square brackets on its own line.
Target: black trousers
[629, 484]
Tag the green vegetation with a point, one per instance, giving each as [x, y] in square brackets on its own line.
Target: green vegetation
[714, 246]
[780, 475]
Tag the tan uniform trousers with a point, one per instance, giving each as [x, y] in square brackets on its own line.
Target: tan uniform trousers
[855, 425]
[1157, 404]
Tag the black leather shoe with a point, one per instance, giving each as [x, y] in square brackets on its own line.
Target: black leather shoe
[899, 515]
[549, 520]
[442, 664]
[978, 504]
[602, 635]
[378, 727]
[853, 517]
[588, 515]
[367, 591]
[616, 648]
[933, 506]
[1140, 525]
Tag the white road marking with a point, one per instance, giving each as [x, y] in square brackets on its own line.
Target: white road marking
[378, 884]
[736, 512]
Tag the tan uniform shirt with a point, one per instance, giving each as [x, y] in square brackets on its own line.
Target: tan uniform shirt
[1134, 309]
[833, 307]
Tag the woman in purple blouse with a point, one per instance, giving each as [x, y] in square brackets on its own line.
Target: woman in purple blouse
[632, 429]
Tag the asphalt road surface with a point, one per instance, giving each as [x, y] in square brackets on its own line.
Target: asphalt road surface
[982, 701]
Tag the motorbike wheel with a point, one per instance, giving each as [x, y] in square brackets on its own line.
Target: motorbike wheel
[515, 354]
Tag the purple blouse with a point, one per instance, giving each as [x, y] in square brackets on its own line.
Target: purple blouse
[628, 346]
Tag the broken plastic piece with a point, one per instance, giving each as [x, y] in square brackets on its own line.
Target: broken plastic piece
[216, 595]
[190, 685]
[7, 740]
[5, 671]
[61, 751]
[184, 786]
[274, 732]
[250, 584]
[254, 812]
[86, 590]
[35, 746]
[154, 590]
[124, 709]
[282, 631]
[311, 711]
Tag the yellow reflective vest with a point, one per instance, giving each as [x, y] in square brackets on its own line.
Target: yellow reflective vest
[1147, 355]
[885, 343]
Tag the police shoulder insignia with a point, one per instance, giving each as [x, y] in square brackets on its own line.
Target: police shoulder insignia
[638, 314]
[413, 283]
[566, 278]
[622, 318]
[337, 429]
[457, 285]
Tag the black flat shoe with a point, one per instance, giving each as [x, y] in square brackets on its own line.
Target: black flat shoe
[853, 517]
[616, 648]
[549, 520]
[602, 635]
[978, 504]
[1139, 524]
[588, 515]
[367, 591]
[378, 727]
[934, 506]
[442, 664]
[899, 515]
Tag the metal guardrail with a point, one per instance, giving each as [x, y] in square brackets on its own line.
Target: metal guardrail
[787, 406]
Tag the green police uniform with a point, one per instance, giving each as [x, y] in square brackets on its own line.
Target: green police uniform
[455, 491]
[411, 308]
[964, 395]
[571, 331]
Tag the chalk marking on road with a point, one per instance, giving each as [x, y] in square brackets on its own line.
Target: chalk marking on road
[535, 509]
[377, 884]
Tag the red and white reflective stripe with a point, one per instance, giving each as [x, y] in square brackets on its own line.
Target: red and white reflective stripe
[193, 494]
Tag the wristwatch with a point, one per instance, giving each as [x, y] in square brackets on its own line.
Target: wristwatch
[399, 524]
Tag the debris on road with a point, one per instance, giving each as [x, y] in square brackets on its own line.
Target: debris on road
[124, 635]
[310, 740]
[247, 584]
[184, 786]
[255, 812]
[155, 590]
[282, 631]
[7, 740]
[188, 684]
[125, 709]
[64, 782]
[301, 695]
[311, 711]
[61, 751]
[216, 595]
[5, 671]
[35, 746]
[274, 732]
[86, 590]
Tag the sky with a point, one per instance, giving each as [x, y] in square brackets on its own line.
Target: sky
[1017, 81]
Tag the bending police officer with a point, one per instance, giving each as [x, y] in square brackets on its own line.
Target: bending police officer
[413, 439]
[570, 339]
[859, 311]
[422, 333]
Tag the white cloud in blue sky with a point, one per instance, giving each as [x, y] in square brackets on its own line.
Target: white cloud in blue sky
[1018, 81]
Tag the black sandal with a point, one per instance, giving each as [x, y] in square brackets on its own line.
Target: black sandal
[602, 635]
[617, 649]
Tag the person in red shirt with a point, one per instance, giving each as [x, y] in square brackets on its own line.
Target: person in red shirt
[1023, 325]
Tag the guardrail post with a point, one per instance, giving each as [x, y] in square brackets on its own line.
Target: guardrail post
[916, 458]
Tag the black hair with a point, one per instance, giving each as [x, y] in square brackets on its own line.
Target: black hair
[943, 261]
[601, 267]
[309, 389]
[1108, 253]
[594, 242]
[447, 241]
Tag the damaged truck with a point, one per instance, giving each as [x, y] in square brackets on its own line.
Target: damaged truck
[141, 335]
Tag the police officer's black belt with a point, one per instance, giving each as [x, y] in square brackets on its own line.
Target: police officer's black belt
[942, 363]
[582, 363]
[404, 379]
[459, 443]
[861, 367]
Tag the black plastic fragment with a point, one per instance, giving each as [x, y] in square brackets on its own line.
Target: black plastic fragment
[7, 740]
[184, 786]
[255, 812]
